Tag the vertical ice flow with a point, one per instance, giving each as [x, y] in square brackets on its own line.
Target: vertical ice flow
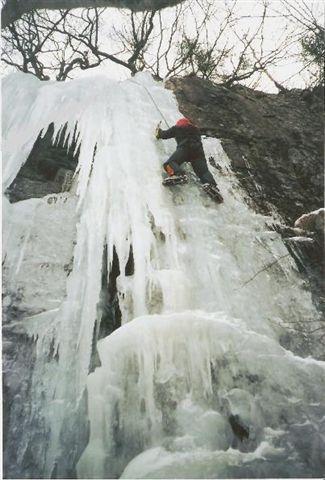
[199, 341]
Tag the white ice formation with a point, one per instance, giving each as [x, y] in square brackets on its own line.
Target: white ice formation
[201, 315]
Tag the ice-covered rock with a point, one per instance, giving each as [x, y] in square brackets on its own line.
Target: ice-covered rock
[202, 308]
[313, 221]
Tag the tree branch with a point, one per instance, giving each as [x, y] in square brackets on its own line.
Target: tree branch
[269, 265]
[14, 9]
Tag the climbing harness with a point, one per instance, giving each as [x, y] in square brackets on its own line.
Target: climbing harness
[153, 101]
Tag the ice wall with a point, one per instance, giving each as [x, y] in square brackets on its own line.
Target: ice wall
[186, 374]
[200, 337]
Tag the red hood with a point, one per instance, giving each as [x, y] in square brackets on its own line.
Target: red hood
[184, 122]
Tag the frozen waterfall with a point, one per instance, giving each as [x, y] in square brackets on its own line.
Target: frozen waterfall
[202, 339]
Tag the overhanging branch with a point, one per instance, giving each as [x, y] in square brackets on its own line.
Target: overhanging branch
[14, 9]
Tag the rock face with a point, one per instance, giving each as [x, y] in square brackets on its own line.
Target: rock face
[45, 183]
[48, 169]
[18, 364]
[275, 143]
[32, 295]
[314, 221]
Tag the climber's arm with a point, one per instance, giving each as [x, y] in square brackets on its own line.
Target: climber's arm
[165, 134]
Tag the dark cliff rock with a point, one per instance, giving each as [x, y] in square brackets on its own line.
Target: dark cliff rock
[18, 364]
[277, 138]
[49, 168]
[275, 143]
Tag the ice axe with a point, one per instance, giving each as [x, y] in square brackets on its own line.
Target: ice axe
[157, 130]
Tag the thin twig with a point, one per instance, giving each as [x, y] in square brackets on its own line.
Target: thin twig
[263, 269]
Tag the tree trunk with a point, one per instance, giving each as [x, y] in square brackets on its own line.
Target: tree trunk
[14, 9]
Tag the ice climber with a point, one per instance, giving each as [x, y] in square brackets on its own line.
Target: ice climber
[189, 149]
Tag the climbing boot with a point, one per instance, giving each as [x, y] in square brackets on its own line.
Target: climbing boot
[213, 192]
[175, 180]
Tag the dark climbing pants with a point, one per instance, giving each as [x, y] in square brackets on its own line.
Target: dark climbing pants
[196, 158]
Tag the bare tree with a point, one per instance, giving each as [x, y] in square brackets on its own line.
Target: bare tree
[197, 54]
[135, 36]
[173, 50]
[311, 35]
[35, 44]
[196, 37]
[211, 52]
[52, 45]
